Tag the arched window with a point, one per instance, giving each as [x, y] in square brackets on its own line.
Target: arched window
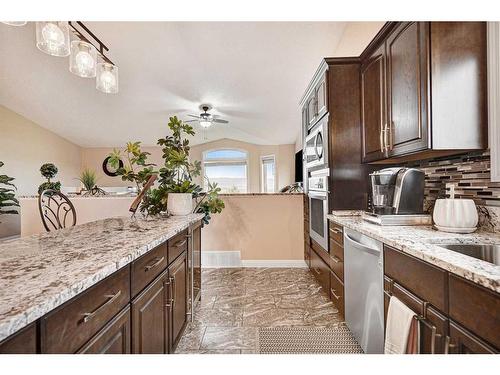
[228, 168]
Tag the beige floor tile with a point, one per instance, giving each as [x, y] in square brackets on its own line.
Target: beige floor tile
[230, 338]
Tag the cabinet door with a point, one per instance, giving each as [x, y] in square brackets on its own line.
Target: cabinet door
[178, 278]
[114, 338]
[22, 342]
[197, 261]
[462, 341]
[373, 106]
[407, 60]
[311, 109]
[151, 318]
[321, 97]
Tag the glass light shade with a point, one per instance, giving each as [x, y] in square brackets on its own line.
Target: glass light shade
[52, 37]
[83, 59]
[205, 123]
[107, 78]
[15, 23]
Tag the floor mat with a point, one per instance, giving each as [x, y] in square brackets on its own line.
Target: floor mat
[304, 340]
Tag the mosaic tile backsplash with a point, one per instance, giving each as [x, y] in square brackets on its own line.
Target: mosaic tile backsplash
[469, 174]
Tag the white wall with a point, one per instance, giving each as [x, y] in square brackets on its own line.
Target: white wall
[356, 36]
[24, 147]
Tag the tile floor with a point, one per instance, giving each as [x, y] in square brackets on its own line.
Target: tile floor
[235, 302]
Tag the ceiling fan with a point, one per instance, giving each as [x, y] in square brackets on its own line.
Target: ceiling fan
[206, 119]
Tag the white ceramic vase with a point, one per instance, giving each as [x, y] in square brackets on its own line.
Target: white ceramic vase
[180, 204]
[455, 213]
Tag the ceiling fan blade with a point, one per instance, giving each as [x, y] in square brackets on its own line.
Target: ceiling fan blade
[220, 121]
[190, 120]
[194, 116]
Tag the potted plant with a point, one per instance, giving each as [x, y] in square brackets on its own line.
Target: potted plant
[88, 178]
[49, 171]
[8, 202]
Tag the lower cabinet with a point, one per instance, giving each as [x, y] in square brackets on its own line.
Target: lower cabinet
[114, 338]
[462, 341]
[23, 342]
[178, 272]
[151, 317]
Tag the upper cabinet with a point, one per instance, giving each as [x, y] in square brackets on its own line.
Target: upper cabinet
[424, 91]
[316, 104]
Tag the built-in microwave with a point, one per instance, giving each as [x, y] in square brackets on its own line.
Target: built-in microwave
[316, 145]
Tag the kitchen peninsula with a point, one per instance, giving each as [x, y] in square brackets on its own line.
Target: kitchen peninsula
[117, 285]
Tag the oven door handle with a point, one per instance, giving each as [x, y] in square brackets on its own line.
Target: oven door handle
[314, 195]
[360, 246]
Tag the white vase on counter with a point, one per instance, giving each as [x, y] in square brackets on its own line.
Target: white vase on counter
[180, 204]
[455, 215]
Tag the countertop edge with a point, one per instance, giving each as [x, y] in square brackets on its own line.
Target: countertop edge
[15, 323]
[476, 276]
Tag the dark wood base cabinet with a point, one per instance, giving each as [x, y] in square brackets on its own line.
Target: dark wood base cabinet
[456, 315]
[141, 308]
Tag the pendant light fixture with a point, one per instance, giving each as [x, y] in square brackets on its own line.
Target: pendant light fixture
[52, 37]
[83, 59]
[107, 78]
[15, 23]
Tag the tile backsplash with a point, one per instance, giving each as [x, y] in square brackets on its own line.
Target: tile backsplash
[469, 174]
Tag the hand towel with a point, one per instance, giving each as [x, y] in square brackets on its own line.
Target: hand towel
[399, 321]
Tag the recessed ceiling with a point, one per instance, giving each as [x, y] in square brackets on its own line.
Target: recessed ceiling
[253, 74]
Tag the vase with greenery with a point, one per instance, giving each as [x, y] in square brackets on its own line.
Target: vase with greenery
[49, 171]
[136, 169]
[88, 178]
[8, 201]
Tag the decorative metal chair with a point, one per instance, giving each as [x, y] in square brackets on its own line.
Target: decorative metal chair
[56, 210]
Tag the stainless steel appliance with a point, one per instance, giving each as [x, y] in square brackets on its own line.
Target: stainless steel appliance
[487, 252]
[316, 145]
[364, 290]
[397, 197]
[318, 206]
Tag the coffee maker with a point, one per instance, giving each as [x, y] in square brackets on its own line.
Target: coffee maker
[397, 197]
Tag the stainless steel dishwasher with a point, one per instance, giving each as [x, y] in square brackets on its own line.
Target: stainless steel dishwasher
[364, 290]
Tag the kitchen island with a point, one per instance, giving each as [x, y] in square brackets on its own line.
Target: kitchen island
[68, 286]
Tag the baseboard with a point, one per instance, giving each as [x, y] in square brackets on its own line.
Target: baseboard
[274, 263]
[220, 259]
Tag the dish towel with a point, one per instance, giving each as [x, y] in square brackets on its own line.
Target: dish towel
[402, 334]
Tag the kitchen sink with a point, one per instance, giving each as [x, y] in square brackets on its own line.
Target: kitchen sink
[488, 253]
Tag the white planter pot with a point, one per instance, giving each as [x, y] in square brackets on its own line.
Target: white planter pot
[180, 204]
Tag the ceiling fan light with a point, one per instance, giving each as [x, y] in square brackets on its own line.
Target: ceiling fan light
[52, 37]
[205, 123]
[83, 59]
[107, 78]
[15, 23]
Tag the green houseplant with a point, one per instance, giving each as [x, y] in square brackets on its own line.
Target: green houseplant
[8, 202]
[49, 171]
[88, 178]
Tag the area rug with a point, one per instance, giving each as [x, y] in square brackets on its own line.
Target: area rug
[305, 340]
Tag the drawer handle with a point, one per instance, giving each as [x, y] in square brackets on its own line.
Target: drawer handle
[335, 230]
[317, 270]
[154, 264]
[111, 298]
[433, 329]
[179, 243]
[335, 259]
[169, 286]
[333, 293]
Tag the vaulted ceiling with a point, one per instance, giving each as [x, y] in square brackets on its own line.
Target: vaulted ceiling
[254, 75]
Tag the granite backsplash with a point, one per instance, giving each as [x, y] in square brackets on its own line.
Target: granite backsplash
[469, 174]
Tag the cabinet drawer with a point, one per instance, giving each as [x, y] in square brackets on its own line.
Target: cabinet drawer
[336, 233]
[337, 292]
[177, 245]
[147, 267]
[421, 278]
[114, 338]
[336, 249]
[476, 308]
[67, 328]
[337, 266]
[22, 342]
[465, 342]
[321, 271]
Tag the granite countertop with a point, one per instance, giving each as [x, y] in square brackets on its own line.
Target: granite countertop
[423, 242]
[40, 272]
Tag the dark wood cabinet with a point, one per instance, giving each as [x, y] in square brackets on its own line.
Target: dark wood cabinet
[320, 270]
[151, 317]
[114, 338]
[461, 341]
[422, 82]
[178, 272]
[146, 268]
[23, 342]
[407, 121]
[321, 97]
[196, 259]
[373, 106]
